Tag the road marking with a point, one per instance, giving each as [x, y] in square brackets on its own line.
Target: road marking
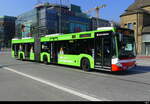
[90, 98]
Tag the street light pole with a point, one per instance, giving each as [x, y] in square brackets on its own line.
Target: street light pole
[60, 17]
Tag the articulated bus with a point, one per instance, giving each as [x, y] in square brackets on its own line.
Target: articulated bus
[107, 48]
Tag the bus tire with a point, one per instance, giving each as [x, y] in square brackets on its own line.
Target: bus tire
[85, 64]
[45, 61]
[21, 57]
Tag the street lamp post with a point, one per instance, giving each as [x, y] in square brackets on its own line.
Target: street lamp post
[60, 16]
[37, 36]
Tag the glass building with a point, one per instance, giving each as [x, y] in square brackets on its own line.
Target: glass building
[7, 30]
[97, 22]
[49, 19]
[24, 23]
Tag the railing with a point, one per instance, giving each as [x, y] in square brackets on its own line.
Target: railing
[5, 49]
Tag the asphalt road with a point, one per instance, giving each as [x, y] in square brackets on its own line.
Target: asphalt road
[30, 81]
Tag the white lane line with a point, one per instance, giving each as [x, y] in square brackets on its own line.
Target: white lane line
[90, 98]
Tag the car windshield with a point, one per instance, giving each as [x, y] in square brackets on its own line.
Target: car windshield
[126, 46]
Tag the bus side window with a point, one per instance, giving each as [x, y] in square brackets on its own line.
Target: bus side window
[85, 46]
[31, 49]
[45, 47]
[13, 47]
[20, 47]
[61, 50]
[63, 47]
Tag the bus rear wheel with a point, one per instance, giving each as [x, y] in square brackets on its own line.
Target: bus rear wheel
[85, 65]
[21, 58]
[45, 60]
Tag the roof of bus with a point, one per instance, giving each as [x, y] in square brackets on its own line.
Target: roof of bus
[71, 36]
[23, 40]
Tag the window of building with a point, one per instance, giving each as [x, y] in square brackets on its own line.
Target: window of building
[130, 25]
[134, 23]
[75, 27]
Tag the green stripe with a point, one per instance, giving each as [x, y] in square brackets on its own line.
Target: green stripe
[73, 36]
[31, 40]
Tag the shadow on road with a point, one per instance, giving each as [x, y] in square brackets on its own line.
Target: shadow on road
[7, 65]
[136, 70]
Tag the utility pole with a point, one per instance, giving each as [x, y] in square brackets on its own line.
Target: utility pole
[39, 28]
[60, 17]
[37, 45]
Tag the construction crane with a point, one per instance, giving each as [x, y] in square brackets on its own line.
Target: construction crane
[41, 1]
[97, 9]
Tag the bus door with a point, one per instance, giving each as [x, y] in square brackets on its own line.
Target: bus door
[16, 49]
[54, 52]
[27, 50]
[103, 51]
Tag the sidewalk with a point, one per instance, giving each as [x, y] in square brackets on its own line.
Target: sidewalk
[143, 57]
[5, 50]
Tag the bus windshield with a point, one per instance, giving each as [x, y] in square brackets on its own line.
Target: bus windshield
[126, 46]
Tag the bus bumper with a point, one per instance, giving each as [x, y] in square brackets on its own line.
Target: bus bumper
[123, 66]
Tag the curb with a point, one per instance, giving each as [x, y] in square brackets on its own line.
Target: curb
[143, 57]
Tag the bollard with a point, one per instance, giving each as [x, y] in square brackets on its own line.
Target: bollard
[2, 51]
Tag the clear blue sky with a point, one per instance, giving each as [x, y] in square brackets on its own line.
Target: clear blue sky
[111, 12]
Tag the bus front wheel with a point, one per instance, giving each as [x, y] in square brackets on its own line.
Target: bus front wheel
[85, 64]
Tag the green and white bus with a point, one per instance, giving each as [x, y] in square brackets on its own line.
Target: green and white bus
[107, 48]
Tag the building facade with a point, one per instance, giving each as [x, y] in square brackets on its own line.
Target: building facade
[7, 30]
[54, 18]
[137, 17]
[97, 22]
[51, 19]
